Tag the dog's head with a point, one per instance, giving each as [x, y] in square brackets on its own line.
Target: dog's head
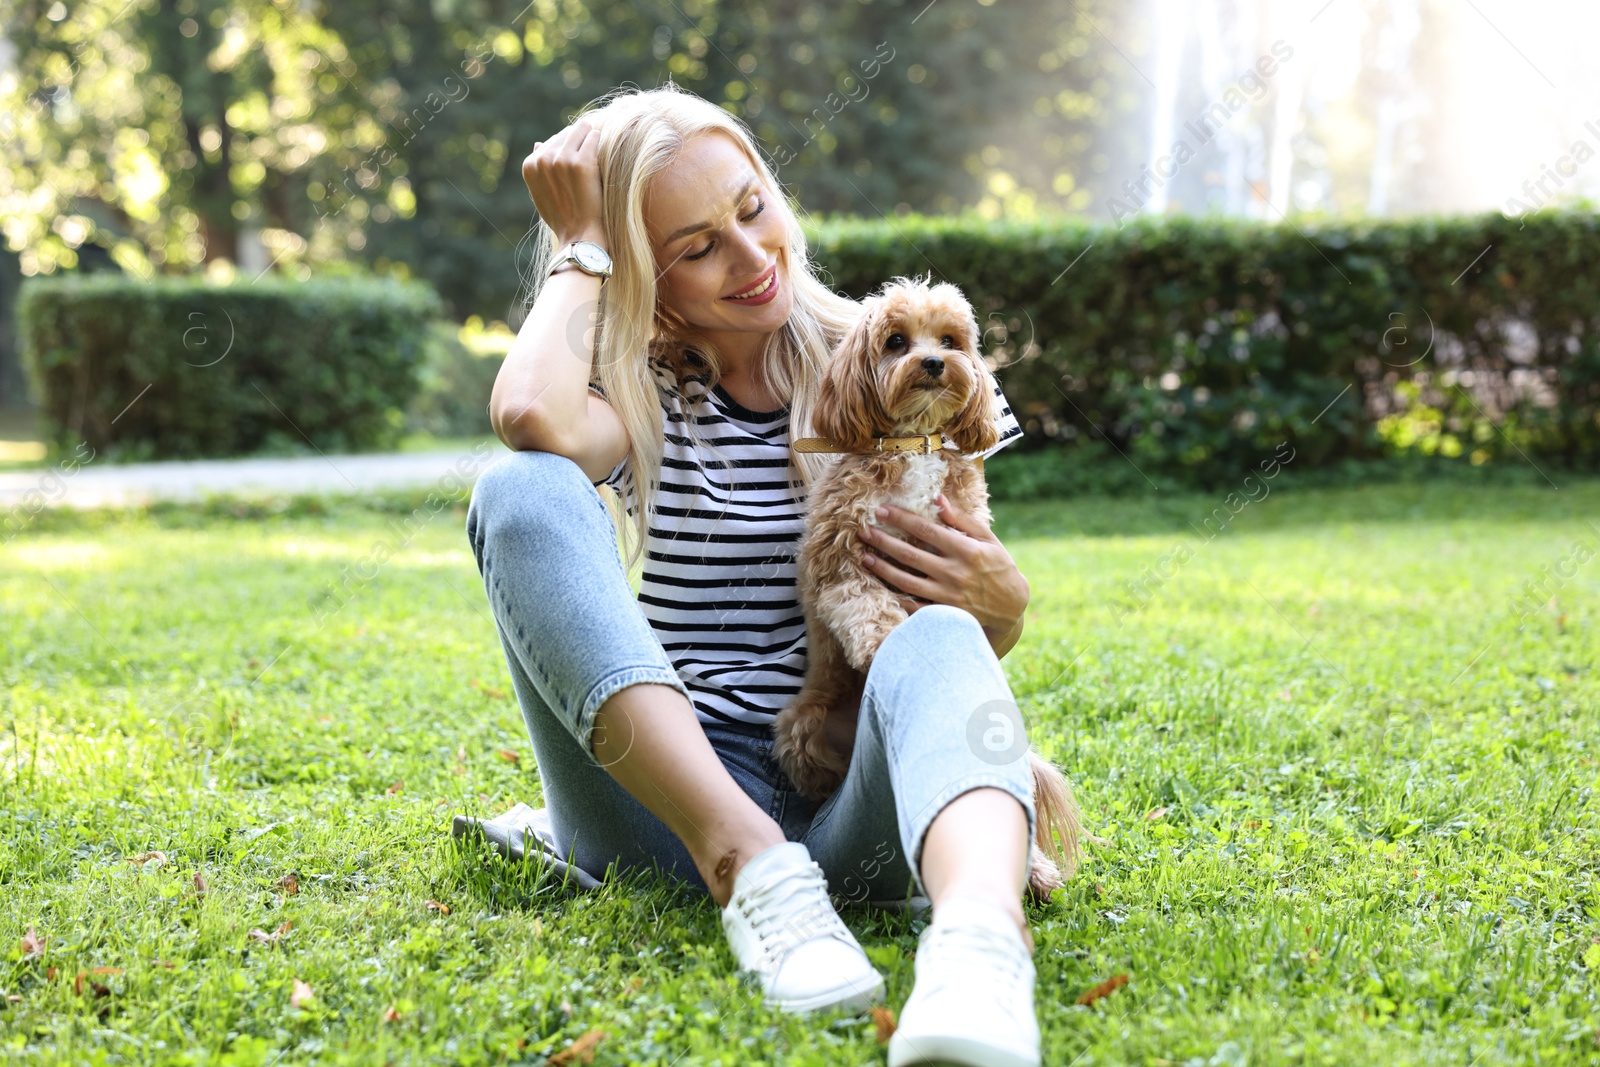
[910, 365]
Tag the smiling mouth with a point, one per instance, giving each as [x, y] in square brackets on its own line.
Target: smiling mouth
[768, 281]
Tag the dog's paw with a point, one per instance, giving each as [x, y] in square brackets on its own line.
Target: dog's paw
[861, 643]
[822, 785]
[816, 781]
[807, 759]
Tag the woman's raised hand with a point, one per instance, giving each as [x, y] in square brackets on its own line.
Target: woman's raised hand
[563, 177]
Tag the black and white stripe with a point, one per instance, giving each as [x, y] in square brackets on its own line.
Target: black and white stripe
[719, 571]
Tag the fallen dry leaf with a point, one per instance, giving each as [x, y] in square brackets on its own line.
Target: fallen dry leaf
[199, 884]
[168, 964]
[886, 1023]
[99, 990]
[14, 997]
[461, 760]
[272, 938]
[289, 884]
[1156, 814]
[302, 995]
[488, 690]
[395, 788]
[146, 857]
[581, 1049]
[508, 755]
[1104, 989]
[434, 905]
[391, 1015]
[32, 944]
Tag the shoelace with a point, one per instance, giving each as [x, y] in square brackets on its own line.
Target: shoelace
[967, 950]
[777, 935]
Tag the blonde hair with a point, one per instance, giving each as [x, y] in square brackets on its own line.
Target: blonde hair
[642, 132]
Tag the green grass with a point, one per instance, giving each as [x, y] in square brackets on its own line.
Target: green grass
[1378, 842]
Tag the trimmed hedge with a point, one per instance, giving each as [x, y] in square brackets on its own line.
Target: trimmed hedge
[1194, 347]
[181, 368]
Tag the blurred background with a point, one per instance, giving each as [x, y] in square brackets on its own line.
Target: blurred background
[296, 138]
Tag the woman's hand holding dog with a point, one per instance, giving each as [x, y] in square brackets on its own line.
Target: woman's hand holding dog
[972, 569]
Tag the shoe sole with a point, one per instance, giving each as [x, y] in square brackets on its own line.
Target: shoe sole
[948, 1049]
[858, 1001]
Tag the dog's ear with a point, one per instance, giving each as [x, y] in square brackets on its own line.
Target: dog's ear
[973, 427]
[848, 409]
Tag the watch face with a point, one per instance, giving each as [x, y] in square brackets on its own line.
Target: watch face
[591, 256]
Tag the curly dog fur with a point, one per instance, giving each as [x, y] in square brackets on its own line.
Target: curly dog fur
[909, 366]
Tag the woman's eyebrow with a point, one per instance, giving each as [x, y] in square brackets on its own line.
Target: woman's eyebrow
[749, 184]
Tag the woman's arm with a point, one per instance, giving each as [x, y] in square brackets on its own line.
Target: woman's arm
[540, 398]
[1004, 643]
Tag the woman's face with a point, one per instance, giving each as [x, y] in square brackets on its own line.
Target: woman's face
[736, 238]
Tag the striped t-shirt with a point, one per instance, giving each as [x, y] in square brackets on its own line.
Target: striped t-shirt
[721, 595]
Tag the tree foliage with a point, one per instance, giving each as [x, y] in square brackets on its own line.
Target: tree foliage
[180, 133]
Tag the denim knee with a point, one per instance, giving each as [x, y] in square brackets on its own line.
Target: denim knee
[914, 629]
[934, 614]
[527, 488]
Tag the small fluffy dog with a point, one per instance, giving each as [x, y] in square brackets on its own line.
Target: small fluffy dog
[909, 367]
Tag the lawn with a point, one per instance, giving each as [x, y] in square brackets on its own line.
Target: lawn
[1343, 777]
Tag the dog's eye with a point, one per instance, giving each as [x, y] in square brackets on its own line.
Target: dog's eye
[896, 342]
[947, 341]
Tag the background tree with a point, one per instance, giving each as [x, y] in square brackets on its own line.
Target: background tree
[175, 134]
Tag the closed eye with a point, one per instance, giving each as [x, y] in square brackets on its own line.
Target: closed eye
[761, 206]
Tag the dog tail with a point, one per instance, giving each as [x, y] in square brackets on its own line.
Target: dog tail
[1056, 815]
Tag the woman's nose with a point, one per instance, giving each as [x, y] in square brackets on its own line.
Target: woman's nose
[752, 257]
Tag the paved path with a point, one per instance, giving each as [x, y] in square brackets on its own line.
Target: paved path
[91, 485]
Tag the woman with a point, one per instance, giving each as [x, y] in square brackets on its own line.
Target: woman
[651, 718]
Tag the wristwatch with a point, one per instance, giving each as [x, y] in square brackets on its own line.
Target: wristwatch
[590, 258]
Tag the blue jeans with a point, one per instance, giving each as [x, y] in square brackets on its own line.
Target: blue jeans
[934, 702]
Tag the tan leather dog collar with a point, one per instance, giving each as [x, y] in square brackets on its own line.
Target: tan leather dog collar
[924, 443]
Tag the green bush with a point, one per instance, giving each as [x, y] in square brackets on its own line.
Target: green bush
[456, 382]
[1195, 348]
[180, 368]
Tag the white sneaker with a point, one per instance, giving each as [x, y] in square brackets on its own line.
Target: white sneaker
[972, 1003]
[783, 928]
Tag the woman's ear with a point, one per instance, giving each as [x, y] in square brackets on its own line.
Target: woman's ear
[973, 428]
[848, 410]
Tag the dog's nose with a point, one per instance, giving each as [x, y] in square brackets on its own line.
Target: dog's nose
[934, 365]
